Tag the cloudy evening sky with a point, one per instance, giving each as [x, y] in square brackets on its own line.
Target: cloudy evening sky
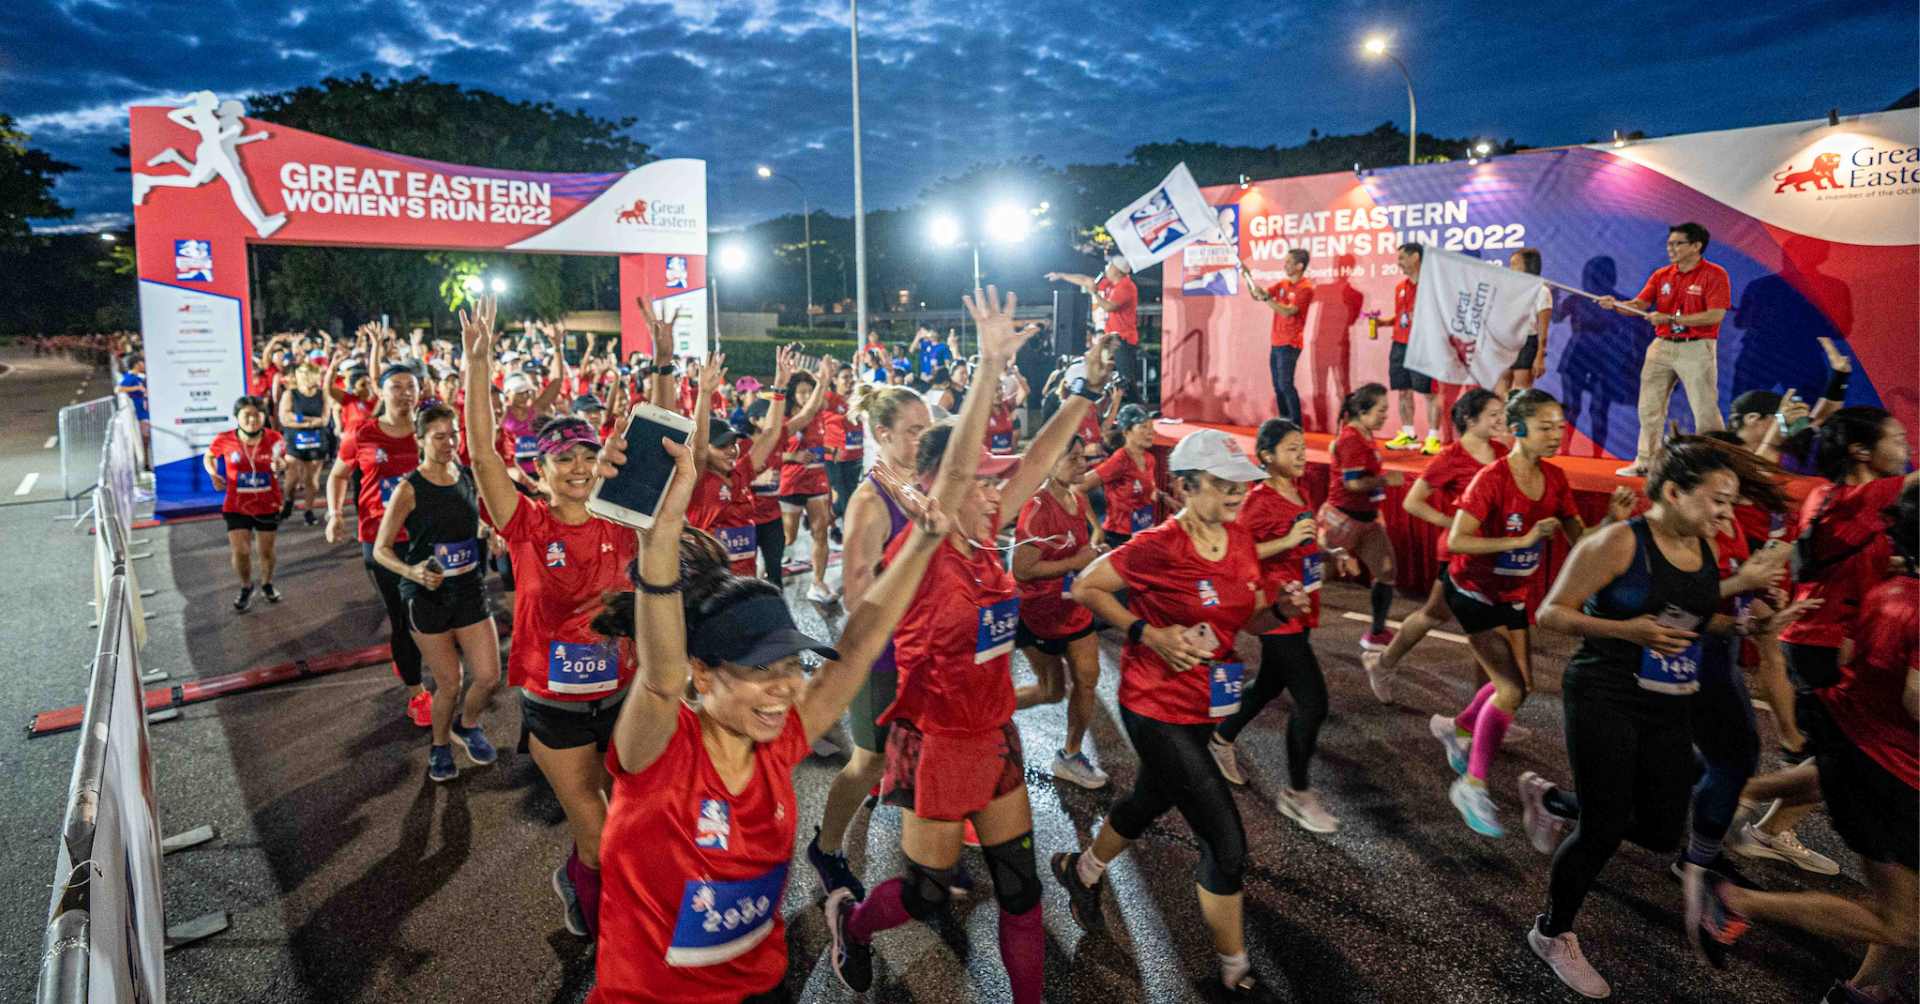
[949, 83]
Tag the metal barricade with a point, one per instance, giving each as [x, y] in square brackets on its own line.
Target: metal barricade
[83, 448]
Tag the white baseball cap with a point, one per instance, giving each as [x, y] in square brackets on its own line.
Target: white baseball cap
[1215, 452]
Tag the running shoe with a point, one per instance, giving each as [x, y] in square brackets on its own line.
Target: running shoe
[1754, 843]
[1404, 441]
[1562, 955]
[1712, 926]
[852, 958]
[474, 743]
[1844, 992]
[1249, 989]
[312, 520]
[961, 884]
[1381, 680]
[1304, 807]
[440, 763]
[1441, 727]
[1376, 642]
[246, 600]
[1794, 758]
[1476, 808]
[1077, 769]
[1224, 757]
[570, 912]
[420, 709]
[1544, 829]
[272, 594]
[833, 869]
[1633, 470]
[819, 594]
[1431, 446]
[1083, 898]
[1516, 733]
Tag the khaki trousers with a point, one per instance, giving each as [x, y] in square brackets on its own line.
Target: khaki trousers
[1696, 364]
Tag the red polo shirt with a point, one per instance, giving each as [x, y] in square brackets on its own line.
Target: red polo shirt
[1403, 295]
[1123, 319]
[1672, 291]
[1290, 331]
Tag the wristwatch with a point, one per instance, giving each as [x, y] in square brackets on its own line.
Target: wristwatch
[1077, 387]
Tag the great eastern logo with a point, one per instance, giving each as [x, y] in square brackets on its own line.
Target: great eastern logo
[657, 215]
[1820, 175]
[637, 213]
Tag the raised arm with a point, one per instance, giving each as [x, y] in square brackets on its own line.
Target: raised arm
[713, 372]
[1054, 436]
[998, 343]
[767, 444]
[647, 718]
[822, 378]
[489, 471]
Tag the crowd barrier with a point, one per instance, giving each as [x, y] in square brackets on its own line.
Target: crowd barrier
[83, 443]
[106, 932]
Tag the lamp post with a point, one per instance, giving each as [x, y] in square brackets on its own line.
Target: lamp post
[1378, 47]
[859, 192]
[1007, 223]
[806, 228]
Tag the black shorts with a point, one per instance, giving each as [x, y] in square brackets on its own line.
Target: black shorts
[569, 728]
[1399, 377]
[1476, 616]
[799, 501]
[1528, 351]
[1873, 811]
[258, 524]
[1025, 638]
[460, 601]
[873, 697]
[1113, 538]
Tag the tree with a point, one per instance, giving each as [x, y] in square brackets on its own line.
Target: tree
[26, 189]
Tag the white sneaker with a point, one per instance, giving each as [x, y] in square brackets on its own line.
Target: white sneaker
[1517, 733]
[1229, 764]
[819, 594]
[1077, 769]
[1785, 847]
[1441, 728]
[1381, 680]
[1562, 955]
[1304, 807]
[1633, 470]
[1544, 829]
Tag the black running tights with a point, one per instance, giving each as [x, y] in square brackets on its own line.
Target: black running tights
[1286, 663]
[1177, 772]
[406, 655]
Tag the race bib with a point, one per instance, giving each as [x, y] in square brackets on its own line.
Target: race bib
[1521, 562]
[720, 921]
[995, 637]
[740, 541]
[1000, 442]
[1681, 673]
[306, 439]
[1223, 688]
[526, 447]
[589, 668]
[1142, 518]
[1776, 525]
[1377, 496]
[769, 489]
[387, 485]
[856, 438]
[457, 558]
[248, 482]
[1311, 572]
[1066, 585]
[819, 455]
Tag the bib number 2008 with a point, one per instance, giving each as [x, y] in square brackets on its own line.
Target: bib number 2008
[583, 668]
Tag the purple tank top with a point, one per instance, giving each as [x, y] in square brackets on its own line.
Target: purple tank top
[521, 429]
[897, 521]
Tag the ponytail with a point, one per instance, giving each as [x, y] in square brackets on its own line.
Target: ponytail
[1361, 401]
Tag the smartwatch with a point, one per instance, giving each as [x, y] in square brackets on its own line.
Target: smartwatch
[1077, 387]
[1135, 630]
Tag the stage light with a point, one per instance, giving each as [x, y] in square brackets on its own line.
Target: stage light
[498, 285]
[473, 283]
[763, 171]
[1482, 149]
[1377, 46]
[1619, 139]
[1244, 183]
[1008, 224]
[733, 258]
[945, 231]
[109, 238]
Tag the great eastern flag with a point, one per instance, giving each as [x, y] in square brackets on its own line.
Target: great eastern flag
[1163, 221]
[1470, 318]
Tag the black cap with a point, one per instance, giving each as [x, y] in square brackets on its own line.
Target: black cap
[757, 631]
[588, 402]
[720, 435]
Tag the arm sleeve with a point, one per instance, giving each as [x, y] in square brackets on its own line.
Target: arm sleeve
[1350, 454]
[1719, 291]
[1649, 292]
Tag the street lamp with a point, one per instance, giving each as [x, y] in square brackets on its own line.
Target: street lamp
[1378, 47]
[806, 213]
[731, 258]
[473, 283]
[109, 238]
[498, 285]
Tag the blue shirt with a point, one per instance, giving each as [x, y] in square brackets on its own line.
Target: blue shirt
[934, 356]
[139, 395]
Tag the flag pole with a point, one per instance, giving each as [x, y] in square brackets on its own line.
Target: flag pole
[1592, 296]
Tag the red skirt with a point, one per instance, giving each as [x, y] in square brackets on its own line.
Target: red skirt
[950, 777]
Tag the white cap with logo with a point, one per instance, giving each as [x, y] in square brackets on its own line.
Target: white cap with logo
[1217, 453]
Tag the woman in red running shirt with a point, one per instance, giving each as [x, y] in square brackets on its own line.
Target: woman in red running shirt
[1350, 518]
[252, 457]
[1280, 516]
[953, 753]
[1192, 583]
[1498, 539]
[572, 680]
[701, 830]
[1131, 477]
[803, 469]
[723, 501]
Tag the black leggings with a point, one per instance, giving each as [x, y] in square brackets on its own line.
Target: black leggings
[1632, 758]
[1176, 771]
[843, 476]
[1286, 663]
[771, 537]
[406, 655]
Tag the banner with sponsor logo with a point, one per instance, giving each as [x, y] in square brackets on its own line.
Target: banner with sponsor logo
[1470, 318]
[208, 181]
[1158, 224]
[1815, 224]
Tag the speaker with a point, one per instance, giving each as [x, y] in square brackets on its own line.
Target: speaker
[1072, 316]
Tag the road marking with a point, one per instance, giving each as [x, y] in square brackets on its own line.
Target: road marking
[52, 441]
[26, 484]
[1442, 635]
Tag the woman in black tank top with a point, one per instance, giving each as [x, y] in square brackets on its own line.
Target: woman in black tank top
[303, 420]
[437, 510]
[1640, 595]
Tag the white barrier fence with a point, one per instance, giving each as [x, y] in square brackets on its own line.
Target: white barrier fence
[106, 929]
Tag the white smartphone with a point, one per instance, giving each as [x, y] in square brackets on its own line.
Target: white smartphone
[633, 498]
[1201, 636]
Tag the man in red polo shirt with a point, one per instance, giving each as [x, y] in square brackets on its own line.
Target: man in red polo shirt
[1687, 300]
[1116, 303]
[1288, 299]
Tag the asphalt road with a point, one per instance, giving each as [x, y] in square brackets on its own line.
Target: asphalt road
[351, 878]
[34, 390]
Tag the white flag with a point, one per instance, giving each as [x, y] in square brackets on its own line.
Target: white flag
[1163, 221]
[1470, 318]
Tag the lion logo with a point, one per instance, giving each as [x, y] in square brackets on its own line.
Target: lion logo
[637, 213]
[1820, 174]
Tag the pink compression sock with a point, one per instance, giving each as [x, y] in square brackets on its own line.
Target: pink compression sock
[1487, 735]
[586, 889]
[1023, 950]
[1469, 717]
[882, 910]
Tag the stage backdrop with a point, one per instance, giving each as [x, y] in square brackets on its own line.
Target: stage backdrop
[208, 181]
[1814, 223]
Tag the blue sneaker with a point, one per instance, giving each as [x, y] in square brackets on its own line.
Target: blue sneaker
[440, 763]
[1476, 807]
[475, 743]
[833, 869]
[1441, 728]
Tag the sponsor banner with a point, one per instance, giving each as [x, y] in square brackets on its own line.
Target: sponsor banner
[1803, 262]
[196, 368]
[1470, 318]
[1158, 224]
[1209, 267]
